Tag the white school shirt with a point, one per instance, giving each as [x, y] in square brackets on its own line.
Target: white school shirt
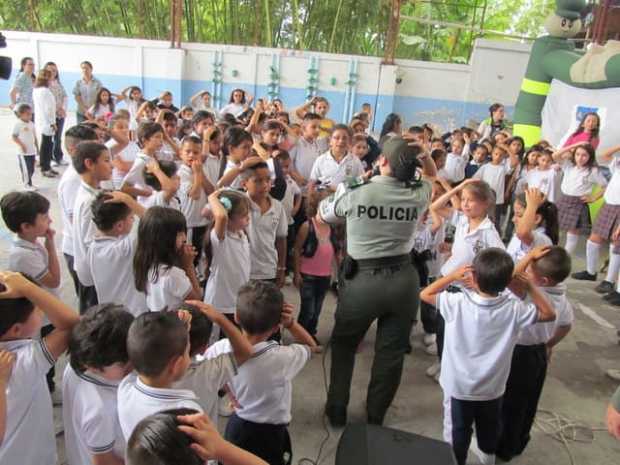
[136, 401]
[229, 270]
[191, 208]
[454, 169]
[263, 230]
[158, 199]
[234, 109]
[67, 191]
[480, 335]
[89, 417]
[24, 131]
[517, 249]
[102, 111]
[205, 377]
[135, 175]
[612, 193]
[468, 243]
[540, 333]
[166, 152]
[263, 384]
[169, 291]
[288, 202]
[495, 177]
[111, 265]
[237, 182]
[128, 155]
[545, 181]
[29, 438]
[211, 168]
[304, 153]
[32, 259]
[580, 181]
[329, 172]
[84, 231]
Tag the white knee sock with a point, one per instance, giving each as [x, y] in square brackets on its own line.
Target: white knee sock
[571, 242]
[614, 265]
[447, 418]
[592, 252]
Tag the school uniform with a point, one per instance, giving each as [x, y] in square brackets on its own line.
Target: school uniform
[330, 172]
[573, 213]
[25, 132]
[110, 260]
[135, 175]
[517, 249]
[84, 231]
[67, 191]
[304, 153]
[158, 199]
[495, 177]
[545, 181]
[236, 183]
[609, 215]
[29, 438]
[288, 201]
[192, 209]
[205, 377]
[528, 370]
[471, 169]
[167, 152]
[263, 231]
[89, 416]
[481, 333]
[229, 270]
[32, 259]
[136, 401]
[263, 389]
[454, 169]
[211, 168]
[128, 155]
[170, 289]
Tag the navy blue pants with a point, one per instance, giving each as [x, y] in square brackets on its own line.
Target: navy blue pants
[271, 443]
[486, 415]
[312, 293]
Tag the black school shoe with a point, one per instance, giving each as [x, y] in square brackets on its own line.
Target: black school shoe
[604, 287]
[611, 295]
[583, 276]
[614, 300]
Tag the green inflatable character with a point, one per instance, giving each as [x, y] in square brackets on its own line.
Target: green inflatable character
[554, 57]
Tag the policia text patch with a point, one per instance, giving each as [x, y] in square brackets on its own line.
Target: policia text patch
[384, 212]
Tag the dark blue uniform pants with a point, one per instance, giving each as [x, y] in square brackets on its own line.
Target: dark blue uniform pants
[485, 414]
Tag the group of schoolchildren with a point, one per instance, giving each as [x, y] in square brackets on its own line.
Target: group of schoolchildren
[184, 308]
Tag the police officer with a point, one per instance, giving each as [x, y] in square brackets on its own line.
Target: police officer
[378, 280]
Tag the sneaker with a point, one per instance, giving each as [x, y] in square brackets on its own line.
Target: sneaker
[48, 174]
[54, 164]
[63, 162]
[431, 349]
[225, 408]
[433, 370]
[54, 172]
[614, 300]
[612, 295]
[604, 287]
[584, 276]
[429, 339]
[613, 374]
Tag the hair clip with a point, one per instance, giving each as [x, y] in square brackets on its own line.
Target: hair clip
[226, 203]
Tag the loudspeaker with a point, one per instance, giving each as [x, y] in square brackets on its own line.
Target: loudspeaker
[376, 445]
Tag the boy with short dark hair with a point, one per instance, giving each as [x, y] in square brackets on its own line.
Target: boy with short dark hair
[92, 162]
[162, 177]
[29, 406]
[170, 148]
[263, 386]
[481, 330]
[98, 362]
[307, 149]
[547, 267]
[25, 137]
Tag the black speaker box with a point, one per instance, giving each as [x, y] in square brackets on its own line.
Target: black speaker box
[376, 445]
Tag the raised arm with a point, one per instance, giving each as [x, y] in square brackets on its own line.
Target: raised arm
[430, 292]
[452, 194]
[534, 198]
[564, 152]
[220, 215]
[608, 155]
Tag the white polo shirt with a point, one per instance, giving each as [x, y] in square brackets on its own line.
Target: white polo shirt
[205, 377]
[128, 155]
[237, 183]
[67, 191]
[545, 181]
[495, 177]
[517, 249]
[454, 169]
[263, 230]
[89, 417]
[111, 265]
[191, 208]
[263, 384]
[29, 438]
[288, 202]
[328, 171]
[480, 335]
[211, 168]
[304, 153]
[135, 175]
[84, 231]
[167, 152]
[229, 270]
[468, 243]
[612, 193]
[136, 401]
[580, 181]
[30, 258]
[540, 333]
[169, 291]
[157, 199]
[25, 132]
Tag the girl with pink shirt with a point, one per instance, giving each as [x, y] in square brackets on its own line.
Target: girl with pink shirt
[587, 131]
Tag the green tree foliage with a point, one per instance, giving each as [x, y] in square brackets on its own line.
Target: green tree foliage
[339, 26]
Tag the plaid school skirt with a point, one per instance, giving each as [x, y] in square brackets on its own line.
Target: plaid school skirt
[573, 213]
[607, 220]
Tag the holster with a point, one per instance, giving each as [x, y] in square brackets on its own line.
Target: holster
[349, 267]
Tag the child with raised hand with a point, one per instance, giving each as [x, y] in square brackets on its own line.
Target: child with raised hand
[124, 147]
[473, 377]
[263, 385]
[536, 222]
[542, 175]
[228, 250]
[25, 137]
[103, 108]
[479, 158]
[169, 150]
[201, 101]
[320, 106]
[547, 268]
[7, 359]
[150, 140]
[183, 436]
[112, 251]
[456, 161]
[581, 174]
[237, 148]
[212, 154]
[29, 411]
[162, 177]
[133, 98]
[164, 264]
[98, 363]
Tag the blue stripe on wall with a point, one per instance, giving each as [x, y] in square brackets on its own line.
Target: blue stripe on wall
[446, 114]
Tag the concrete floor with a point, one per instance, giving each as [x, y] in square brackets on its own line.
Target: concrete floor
[576, 386]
